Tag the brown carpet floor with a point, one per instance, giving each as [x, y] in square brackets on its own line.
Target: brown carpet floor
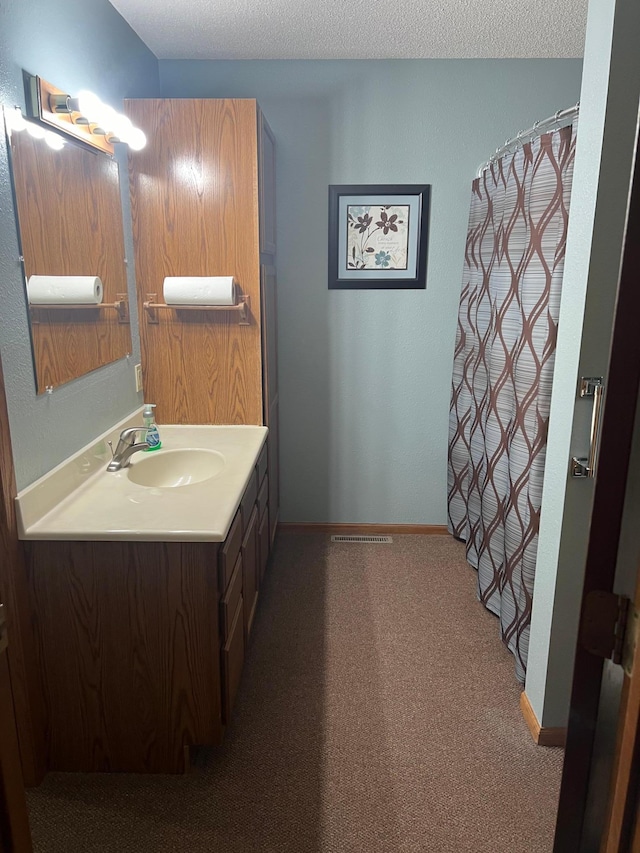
[378, 712]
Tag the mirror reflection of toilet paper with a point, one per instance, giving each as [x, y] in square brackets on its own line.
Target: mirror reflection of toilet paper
[199, 290]
[61, 289]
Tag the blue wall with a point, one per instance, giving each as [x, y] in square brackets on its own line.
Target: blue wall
[365, 376]
[74, 45]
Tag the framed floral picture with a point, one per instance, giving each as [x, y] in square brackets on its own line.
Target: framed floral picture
[378, 236]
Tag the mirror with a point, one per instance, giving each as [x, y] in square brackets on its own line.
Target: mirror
[70, 224]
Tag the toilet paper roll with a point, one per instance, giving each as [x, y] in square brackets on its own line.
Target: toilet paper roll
[199, 290]
[61, 289]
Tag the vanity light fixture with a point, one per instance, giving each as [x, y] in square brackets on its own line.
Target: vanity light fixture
[54, 140]
[16, 122]
[84, 117]
[14, 119]
[35, 130]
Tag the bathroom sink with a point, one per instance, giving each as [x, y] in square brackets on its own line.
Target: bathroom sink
[170, 469]
[187, 491]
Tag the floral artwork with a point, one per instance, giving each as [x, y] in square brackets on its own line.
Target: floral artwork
[377, 237]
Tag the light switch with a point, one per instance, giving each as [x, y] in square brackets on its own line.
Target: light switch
[138, 377]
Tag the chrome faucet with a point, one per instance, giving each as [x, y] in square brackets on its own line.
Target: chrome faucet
[126, 447]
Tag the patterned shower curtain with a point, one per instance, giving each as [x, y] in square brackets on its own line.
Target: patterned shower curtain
[503, 370]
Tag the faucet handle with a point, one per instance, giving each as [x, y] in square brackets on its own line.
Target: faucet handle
[130, 433]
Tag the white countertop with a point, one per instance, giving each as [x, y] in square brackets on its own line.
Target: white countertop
[81, 500]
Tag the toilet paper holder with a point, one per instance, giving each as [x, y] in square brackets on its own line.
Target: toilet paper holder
[241, 308]
[121, 305]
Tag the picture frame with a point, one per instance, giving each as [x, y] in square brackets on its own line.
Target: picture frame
[378, 236]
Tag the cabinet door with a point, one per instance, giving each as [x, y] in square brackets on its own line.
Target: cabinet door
[249, 499]
[269, 337]
[250, 572]
[229, 603]
[232, 662]
[267, 187]
[263, 496]
[228, 554]
[149, 613]
[261, 467]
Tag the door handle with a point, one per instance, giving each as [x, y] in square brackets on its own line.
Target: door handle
[585, 466]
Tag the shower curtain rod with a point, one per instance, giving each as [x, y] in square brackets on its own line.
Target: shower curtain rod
[561, 118]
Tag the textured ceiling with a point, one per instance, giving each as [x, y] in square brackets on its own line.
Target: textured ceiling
[357, 29]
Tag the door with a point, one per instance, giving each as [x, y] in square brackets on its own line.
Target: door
[597, 797]
[621, 822]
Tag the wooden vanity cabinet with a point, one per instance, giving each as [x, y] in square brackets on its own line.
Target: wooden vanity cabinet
[128, 650]
[250, 571]
[232, 662]
[229, 552]
[229, 603]
[141, 645]
[263, 501]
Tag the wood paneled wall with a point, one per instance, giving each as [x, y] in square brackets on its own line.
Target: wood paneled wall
[71, 224]
[194, 194]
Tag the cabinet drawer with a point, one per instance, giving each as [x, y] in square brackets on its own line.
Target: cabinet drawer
[232, 661]
[248, 500]
[229, 603]
[264, 543]
[263, 497]
[229, 554]
[262, 464]
[250, 572]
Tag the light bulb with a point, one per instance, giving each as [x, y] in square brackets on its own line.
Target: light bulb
[136, 140]
[122, 127]
[53, 140]
[35, 130]
[108, 117]
[89, 105]
[15, 120]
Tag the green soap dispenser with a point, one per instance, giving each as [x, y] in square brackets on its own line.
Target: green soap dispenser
[152, 436]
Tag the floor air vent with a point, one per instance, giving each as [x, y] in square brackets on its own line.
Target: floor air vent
[378, 539]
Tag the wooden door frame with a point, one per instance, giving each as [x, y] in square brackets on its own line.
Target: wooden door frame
[618, 419]
[622, 807]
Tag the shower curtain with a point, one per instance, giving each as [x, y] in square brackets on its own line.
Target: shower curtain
[503, 370]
